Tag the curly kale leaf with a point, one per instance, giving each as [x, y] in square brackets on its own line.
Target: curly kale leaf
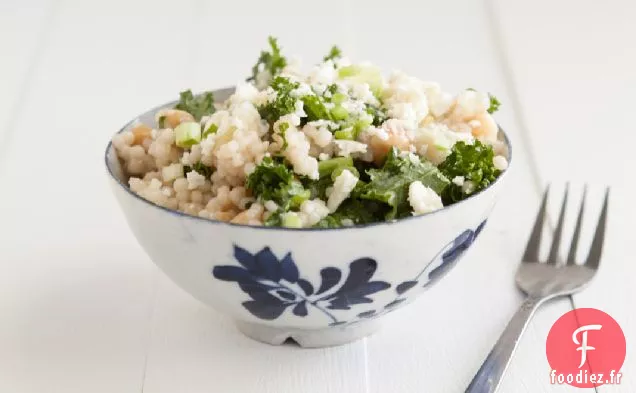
[334, 54]
[332, 89]
[358, 211]
[272, 62]
[474, 163]
[284, 102]
[390, 184]
[363, 167]
[275, 219]
[268, 177]
[317, 188]
[494, 104]
[273, 181]
[197, 106]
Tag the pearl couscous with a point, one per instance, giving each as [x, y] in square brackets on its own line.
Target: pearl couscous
[338, 145]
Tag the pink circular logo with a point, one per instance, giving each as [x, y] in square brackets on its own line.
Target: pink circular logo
[586, 348]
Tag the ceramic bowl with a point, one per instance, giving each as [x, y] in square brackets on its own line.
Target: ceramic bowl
[319, 287]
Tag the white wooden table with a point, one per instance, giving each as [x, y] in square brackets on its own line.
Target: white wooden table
[82, 308]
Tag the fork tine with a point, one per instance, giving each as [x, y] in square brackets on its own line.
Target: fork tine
[577, 231]
[553, 257]
[532, 248]
[594, 257]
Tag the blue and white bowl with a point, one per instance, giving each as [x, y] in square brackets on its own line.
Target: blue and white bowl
[320, 287]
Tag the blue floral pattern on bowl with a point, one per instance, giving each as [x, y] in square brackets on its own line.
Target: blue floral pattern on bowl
[275, 285]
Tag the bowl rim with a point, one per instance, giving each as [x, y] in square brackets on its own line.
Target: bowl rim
[506, 140]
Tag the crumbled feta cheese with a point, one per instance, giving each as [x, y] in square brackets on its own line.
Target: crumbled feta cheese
[362, 92]
[439, 103]
[224, 120]
[207, 145]
[468, 187]
[403, 89]
[246, 116]
[292, 119]
[299, 109]
[271, 206]
[323, 156]
[318, 132]
[378, 132]
[244, 92]
[423, 199]
[301, 91]
[470, 103]
[415, 160]
[297, 152]
[365, 117]
[324, 73]
[264, 96]
[500, 163]
[195, 180]
[312, 211]
[405, 112]
[249, 168]
[458, 180]
[354, 107]
[347, 148]
[319, 88]
[342, 187]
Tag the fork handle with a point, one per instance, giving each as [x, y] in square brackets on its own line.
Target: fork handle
[491, 372]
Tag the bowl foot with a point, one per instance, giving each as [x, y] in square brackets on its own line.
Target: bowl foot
[308, 338]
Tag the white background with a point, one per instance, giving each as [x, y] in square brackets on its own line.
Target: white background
[82, 309]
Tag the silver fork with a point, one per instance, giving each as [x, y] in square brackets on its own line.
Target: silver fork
[541, 282]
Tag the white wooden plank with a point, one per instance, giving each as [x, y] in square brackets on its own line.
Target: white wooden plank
[75, 288]
[439, 342]
[24, 28]
[575, 79]
[193, 348]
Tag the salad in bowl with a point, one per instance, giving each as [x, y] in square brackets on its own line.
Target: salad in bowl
[309, 204]
[338, 145]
